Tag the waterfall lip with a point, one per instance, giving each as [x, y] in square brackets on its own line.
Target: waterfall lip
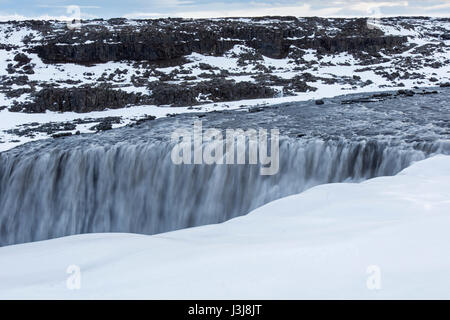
[137, 188]
[400, 120]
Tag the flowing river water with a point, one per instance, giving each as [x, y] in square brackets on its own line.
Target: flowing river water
[123, 180]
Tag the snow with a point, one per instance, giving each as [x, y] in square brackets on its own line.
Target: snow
[339, 66]
[329, 242]
[10, 120]
[13, 38]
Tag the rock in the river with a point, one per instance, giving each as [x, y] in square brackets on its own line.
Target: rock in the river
[319, 102]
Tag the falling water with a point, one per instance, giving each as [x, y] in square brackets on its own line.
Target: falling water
[136, 188]
[125, 181]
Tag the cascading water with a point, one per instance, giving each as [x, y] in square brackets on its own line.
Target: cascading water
[137, 188]
[125, 181]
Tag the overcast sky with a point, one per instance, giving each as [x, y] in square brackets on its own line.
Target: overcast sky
[21, 9]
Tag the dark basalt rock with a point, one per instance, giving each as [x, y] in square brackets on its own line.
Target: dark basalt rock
[21, 59]
[15, 93]
[17, 80]
[81, 99]
[214, 90]
[408, 93]
[106, 124]
[297, 83]
[326, 45]
[50, 128]
[169, 39]
[157, 43]
[376, 97]
[61, 134]
[130, 46]
[255, 109]
[142, 120]
[319, 102]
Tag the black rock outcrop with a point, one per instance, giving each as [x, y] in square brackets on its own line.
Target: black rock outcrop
[167, 39]
[81, 99]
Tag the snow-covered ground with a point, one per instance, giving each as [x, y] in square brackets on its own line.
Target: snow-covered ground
[383, 238]
[342, 67]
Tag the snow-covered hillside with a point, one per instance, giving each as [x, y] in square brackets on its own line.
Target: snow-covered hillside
[380, 239]
[70, 81]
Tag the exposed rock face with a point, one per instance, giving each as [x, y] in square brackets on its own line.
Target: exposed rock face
[168, 39]
[130, 47]
[99, 98]
[81, 99]
[21, 59]
[354, 44]
[187, 62]
[215, 90]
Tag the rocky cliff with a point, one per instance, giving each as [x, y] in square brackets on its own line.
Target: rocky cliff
[149, 44]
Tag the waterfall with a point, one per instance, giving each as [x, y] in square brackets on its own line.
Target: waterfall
[136, 188]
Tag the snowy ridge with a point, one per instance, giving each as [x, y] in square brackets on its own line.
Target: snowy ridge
[317, 244]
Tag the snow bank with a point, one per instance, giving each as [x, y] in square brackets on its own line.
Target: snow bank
[317, 244]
